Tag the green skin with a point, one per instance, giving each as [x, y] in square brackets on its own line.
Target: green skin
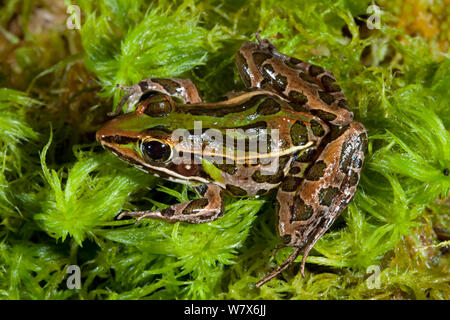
[318, 150]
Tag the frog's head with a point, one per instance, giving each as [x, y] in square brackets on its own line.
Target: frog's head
[144, 137]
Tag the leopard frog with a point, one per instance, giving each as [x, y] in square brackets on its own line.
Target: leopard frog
[297, 108]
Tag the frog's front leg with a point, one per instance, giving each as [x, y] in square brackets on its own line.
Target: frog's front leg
[183, 89]
[205, 209]
[309, 204]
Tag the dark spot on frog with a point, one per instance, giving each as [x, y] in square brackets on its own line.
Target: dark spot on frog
[299, 133]
[282, 161]
[306, 77]
[290, 184]
[227, 168]
[168, 84]
[257, 176]
[295, 60]
[298, 98]
[298, 108]
[237, 191]
[278, 81]
[261, 192]
[343, 104]
[167, 212]
[314, 71]
[330, 84]
[337, 131]
[293, 63]
[268, 72]
[327, 116]
[317, 128]
[285, 238]
[277, 177]
[325, 97]
[326, 196]
[294, 170]
[259, 57]
[316, 171]
[307, 155]
[446, 172]
[362, 141]
[264, 84]
[268, 106]
[353, 178]
[300, 211]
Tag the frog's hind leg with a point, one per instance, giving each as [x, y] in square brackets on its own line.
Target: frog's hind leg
[206, 209]
[331, 103]
[183, 89]
[323, 77]
[309, 203]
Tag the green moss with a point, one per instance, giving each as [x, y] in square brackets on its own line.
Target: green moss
[60, 192]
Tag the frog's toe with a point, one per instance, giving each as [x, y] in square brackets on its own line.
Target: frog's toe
[281, 246]
[281, 267]
[125, 214]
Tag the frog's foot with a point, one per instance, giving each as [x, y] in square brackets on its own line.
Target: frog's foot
[202, 210]
[139, 214]
[133, 94]
[280, 268]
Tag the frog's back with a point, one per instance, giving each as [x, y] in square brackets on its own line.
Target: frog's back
[257, 112]
[265, 132]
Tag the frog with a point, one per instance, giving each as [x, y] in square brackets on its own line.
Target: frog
[312, 158]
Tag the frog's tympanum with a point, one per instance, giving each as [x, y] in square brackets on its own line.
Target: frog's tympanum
[290, 131]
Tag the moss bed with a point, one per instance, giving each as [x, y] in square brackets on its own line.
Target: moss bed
[60, 192]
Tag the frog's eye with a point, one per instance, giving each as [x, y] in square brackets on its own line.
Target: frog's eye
[155, 104]
[156, 151]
